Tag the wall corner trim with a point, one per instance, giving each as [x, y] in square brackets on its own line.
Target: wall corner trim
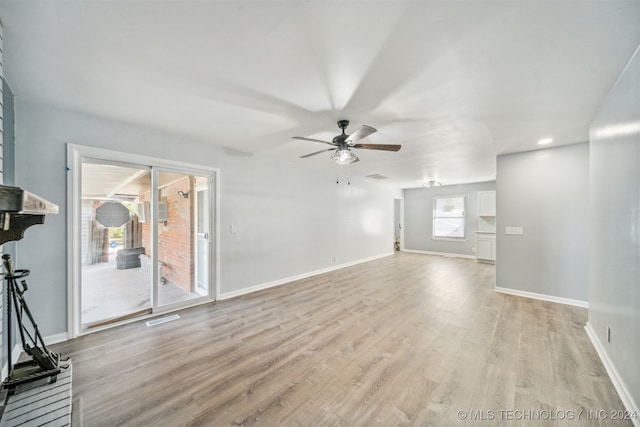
[543, 297]
[262, 286]
[445, 254]
[616, 379]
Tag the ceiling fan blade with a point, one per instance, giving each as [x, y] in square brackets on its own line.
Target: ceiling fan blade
[362, 132]
[383, 147]
[317, 152]
[302, 138]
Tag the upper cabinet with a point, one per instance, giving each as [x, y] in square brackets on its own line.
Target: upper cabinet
[486, 203]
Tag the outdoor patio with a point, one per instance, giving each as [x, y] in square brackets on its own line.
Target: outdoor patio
[109, 293]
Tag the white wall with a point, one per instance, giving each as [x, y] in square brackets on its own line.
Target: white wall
[546, 192]
[418, 218]
[289, 220]
[614, 286]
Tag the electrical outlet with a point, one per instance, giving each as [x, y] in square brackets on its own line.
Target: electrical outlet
[608, 334]
[335, 258]
[514, 231]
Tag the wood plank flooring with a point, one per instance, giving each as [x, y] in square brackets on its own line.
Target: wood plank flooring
[404, 340]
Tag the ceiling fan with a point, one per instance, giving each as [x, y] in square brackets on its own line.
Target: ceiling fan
[343, 143]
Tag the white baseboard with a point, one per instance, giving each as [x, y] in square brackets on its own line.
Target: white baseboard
[55, 339]
[262, 286]
[616, 379]
[543, 297]
[445, 254]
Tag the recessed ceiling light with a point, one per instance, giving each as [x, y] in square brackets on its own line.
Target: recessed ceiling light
[432, 184]
[377, 176]
[545, 141]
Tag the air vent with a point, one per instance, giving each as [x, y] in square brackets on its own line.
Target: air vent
[163, 320]
[377, 176]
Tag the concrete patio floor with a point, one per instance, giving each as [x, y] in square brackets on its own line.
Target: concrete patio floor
[109, 293]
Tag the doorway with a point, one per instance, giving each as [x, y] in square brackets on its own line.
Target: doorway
[143, 238]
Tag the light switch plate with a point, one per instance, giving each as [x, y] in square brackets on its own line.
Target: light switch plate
[515, 231]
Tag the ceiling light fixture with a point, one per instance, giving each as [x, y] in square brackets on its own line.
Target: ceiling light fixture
[545, 141]
[432, 184]
[344, 156]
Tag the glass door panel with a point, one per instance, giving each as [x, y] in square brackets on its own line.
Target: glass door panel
[115, 243]
[183, 233]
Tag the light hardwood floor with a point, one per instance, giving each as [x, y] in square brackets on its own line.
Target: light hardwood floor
[405, 340]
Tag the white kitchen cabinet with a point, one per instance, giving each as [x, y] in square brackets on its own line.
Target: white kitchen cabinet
[486, 203]
[486, 246]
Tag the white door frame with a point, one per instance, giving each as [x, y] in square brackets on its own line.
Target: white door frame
[401, 219]
[75, 156]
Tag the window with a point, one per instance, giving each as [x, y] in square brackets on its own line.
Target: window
[448, 217]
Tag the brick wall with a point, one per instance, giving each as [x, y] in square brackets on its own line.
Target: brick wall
[175, 237]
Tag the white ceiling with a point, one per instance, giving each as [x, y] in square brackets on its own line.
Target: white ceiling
[455, 82]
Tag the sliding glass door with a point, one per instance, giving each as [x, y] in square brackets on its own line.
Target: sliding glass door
[143, 237]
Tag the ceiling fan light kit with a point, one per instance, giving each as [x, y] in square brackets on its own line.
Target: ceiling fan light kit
[343, 143]
[344, 157]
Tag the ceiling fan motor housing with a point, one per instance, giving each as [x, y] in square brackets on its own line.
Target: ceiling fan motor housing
[339, 140]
